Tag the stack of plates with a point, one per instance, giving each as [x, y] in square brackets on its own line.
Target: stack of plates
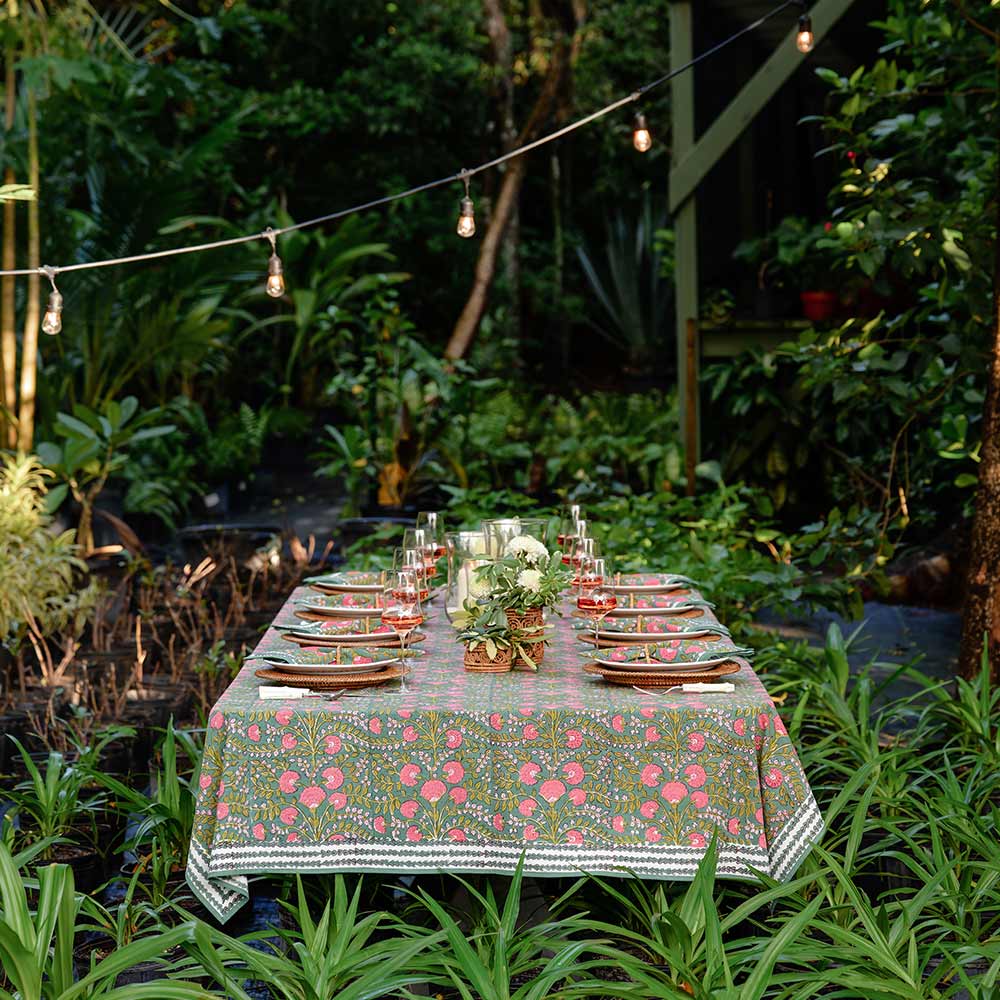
[629, 631]
[339, 606]
[688, 602]
[344, 632]
[677, 662]
[352, 581]
[356, 666]
[648, 582]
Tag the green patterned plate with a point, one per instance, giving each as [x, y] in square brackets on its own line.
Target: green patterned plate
[342, 606]
[650, 583]
[656, 629]
[680, 655]
[323, 660]
[352, 581]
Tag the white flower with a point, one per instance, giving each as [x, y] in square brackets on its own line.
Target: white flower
[529, 579]
[529, 549]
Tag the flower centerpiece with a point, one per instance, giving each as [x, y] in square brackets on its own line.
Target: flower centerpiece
[524, 582]
[491, 642]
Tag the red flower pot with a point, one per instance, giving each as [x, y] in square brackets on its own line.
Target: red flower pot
[818, 306]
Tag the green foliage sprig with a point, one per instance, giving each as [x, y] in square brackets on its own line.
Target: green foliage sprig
[485, 623]
[525, 577]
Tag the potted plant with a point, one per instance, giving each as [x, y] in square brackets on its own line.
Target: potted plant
[525, 581]
[789, 256]
[492, 642]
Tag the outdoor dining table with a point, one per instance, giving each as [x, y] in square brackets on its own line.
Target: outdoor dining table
[467, 772]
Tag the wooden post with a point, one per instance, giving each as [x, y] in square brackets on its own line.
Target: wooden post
[691, 413]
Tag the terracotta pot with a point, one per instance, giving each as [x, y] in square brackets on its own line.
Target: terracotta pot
[479, 660]
[818, 306]
[528, 619]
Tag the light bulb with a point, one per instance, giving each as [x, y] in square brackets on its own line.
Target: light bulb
[805, 40]
[466, 219]
[641, 138]
[275, 277]
[52, 321]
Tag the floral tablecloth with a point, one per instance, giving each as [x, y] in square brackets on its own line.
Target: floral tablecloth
[466, 772]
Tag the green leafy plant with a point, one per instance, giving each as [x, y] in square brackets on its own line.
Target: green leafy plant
[524, 576]
[344, 954]
[36, 945]
[502, 957]
[94, 447]
[41, 592]
[485, 624]
[52, 803]
[630, 286]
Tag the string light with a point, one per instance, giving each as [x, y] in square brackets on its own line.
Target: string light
[275, 272]
[804, 39]
[466, 212]
[52, 320]
[641, 138]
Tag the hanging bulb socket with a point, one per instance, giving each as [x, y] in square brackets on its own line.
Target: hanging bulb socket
[466, 227]
[52, 320]
[641, 138]
[804, 38]
[275, 270]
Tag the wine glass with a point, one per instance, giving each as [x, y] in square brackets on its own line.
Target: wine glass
[596, 601]
[590, 573]
[406, 560]
[579, 531]
[432, 524]
[567, 525]
[583, 549]
[401, 608]
[418, 540]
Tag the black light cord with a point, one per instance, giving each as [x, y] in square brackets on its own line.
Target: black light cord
[461, 176]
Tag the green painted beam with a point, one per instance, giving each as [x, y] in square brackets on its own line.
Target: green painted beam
[694, 163]
[686, 219]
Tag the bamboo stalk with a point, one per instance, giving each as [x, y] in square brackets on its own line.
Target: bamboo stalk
[32, 310]
[8, 332]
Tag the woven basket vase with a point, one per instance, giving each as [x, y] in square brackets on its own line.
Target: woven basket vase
[479, 660]
[528, 619]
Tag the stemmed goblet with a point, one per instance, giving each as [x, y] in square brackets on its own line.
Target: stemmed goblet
[401, 608]
[595, 598]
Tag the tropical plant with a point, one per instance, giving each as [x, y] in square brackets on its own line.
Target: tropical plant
[344, 954]
[166, 814]
[36, 945]
[63, 798]
[328, 303]
[631, 289]
[41, 589]
[501, 956]
[406, 399]
[95, 445]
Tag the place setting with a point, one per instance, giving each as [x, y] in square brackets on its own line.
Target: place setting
[630, 630]
[650, 665]
[342, 632]
[341, 667]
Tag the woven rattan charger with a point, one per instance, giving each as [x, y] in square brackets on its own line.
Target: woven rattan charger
[321, 682]
[636, 677]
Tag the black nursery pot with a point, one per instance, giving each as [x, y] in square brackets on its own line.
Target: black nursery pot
[90, 868]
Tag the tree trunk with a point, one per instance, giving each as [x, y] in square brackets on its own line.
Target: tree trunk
[510, 188]
[981, 616]
[8, 319]
[503, 61]
[32, 310]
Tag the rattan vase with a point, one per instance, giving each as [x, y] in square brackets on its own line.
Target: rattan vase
[527, 619]
[478, 660]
